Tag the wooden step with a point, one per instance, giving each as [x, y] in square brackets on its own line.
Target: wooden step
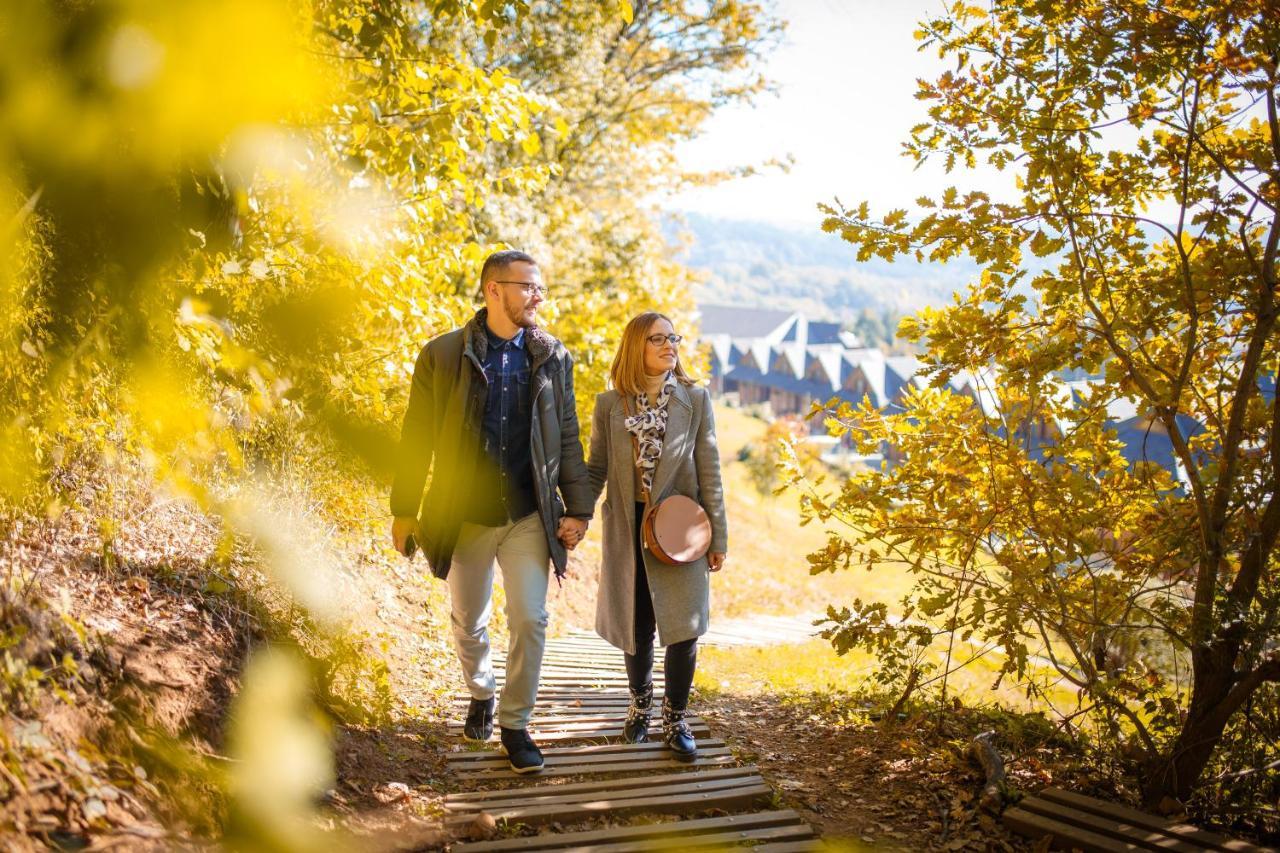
[584, 718]
[478, 798]
[549, 732]
[619, 765]
[670, 834]
[571, 708]
[486, 755]
[573, 716]
[1096, 826]
[486, 766]
[615, 790]
[583, 695]
[620, 805]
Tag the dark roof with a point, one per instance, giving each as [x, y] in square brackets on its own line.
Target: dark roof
[824, 333]
[740, 322]
[778, 382]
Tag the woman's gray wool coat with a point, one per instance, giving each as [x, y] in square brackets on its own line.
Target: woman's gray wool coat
[689, 465]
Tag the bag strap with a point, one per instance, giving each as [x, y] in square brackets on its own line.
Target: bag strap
[635, 453]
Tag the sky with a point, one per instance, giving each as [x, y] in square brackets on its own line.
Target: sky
[846, 75]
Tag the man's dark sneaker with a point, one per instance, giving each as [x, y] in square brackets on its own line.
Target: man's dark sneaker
[479, 724]
[636, 728]
[676, 733]
[522, 753]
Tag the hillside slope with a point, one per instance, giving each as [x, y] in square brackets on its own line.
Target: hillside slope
[761, 265]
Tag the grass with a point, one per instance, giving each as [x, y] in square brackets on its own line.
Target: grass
[811, 668]
[767, 570]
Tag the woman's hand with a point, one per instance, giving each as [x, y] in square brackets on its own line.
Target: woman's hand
[715, 560]
[571, 531]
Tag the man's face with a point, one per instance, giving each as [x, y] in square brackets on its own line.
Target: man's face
[520, 293]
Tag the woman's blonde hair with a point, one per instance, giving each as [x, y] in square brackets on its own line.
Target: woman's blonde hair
[627, 372]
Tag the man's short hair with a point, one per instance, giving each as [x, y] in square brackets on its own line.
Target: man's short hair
[497, 263]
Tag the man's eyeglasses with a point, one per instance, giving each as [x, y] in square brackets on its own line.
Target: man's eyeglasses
[527, 287]
[659, 340]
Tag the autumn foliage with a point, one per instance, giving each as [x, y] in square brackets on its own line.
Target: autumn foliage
[1131, 265]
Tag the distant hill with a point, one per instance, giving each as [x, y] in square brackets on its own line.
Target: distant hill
[756, 264]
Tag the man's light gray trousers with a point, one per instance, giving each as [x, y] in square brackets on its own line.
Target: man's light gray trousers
[520, 549]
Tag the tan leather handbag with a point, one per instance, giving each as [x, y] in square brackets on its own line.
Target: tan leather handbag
[675, 530]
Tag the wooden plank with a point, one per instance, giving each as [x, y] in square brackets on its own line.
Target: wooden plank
[554, 690]
[734, 798]
[599, 785]
[593, 661]
[693, 783]
[559, 754]
[1124, 814]
[580, 718]
[579, 643]
[562, 695]
[643, 765]
[1149, 839]
[586, 680]
[1065, 836]
[559, 689]
[790, 847]
[612, 658]
[581, 669]
[676, 839]
[600, 749]
[559, 710]
[713, 841]
[606, 731]
[654, 831]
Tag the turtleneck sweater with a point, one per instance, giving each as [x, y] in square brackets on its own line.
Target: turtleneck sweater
[653, 385]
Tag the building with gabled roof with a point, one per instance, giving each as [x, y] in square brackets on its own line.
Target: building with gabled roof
[787, 362]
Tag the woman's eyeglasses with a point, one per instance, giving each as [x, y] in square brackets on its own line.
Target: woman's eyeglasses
[659, 340]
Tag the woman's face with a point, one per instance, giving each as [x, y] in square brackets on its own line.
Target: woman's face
[660, 357]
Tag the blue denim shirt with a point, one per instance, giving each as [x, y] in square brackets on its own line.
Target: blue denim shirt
[508, 425]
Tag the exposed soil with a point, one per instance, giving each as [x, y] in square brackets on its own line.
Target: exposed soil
[906, 786]
[158, 660]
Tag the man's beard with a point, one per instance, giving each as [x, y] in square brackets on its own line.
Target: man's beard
[516, 314]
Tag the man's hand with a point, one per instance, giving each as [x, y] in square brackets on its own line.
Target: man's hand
[571, 531]
[715, 560]
[401, 528]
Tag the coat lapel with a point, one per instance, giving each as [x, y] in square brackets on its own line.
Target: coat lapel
[624, 456]
[679, 415]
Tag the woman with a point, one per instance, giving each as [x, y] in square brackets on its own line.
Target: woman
[654, 434]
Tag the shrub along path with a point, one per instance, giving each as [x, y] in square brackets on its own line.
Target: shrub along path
[602, 793]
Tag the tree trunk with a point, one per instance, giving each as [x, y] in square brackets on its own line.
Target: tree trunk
[1175, 773]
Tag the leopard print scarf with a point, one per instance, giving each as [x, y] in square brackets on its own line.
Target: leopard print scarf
[649, 426]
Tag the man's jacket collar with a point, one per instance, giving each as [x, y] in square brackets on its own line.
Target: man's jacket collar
[541, 346]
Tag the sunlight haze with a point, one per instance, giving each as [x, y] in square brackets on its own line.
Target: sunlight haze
[846, 78]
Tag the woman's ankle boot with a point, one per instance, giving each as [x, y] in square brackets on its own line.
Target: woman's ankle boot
[676, 733]
[636, 728]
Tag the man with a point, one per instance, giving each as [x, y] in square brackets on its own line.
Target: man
[492, 415]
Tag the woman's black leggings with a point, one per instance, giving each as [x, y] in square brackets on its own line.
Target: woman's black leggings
[682, 657]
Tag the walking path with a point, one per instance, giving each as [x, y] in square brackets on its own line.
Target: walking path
[594, 785]
[762, 631]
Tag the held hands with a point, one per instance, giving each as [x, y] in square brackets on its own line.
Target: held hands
[571, 531]
[715, 560]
